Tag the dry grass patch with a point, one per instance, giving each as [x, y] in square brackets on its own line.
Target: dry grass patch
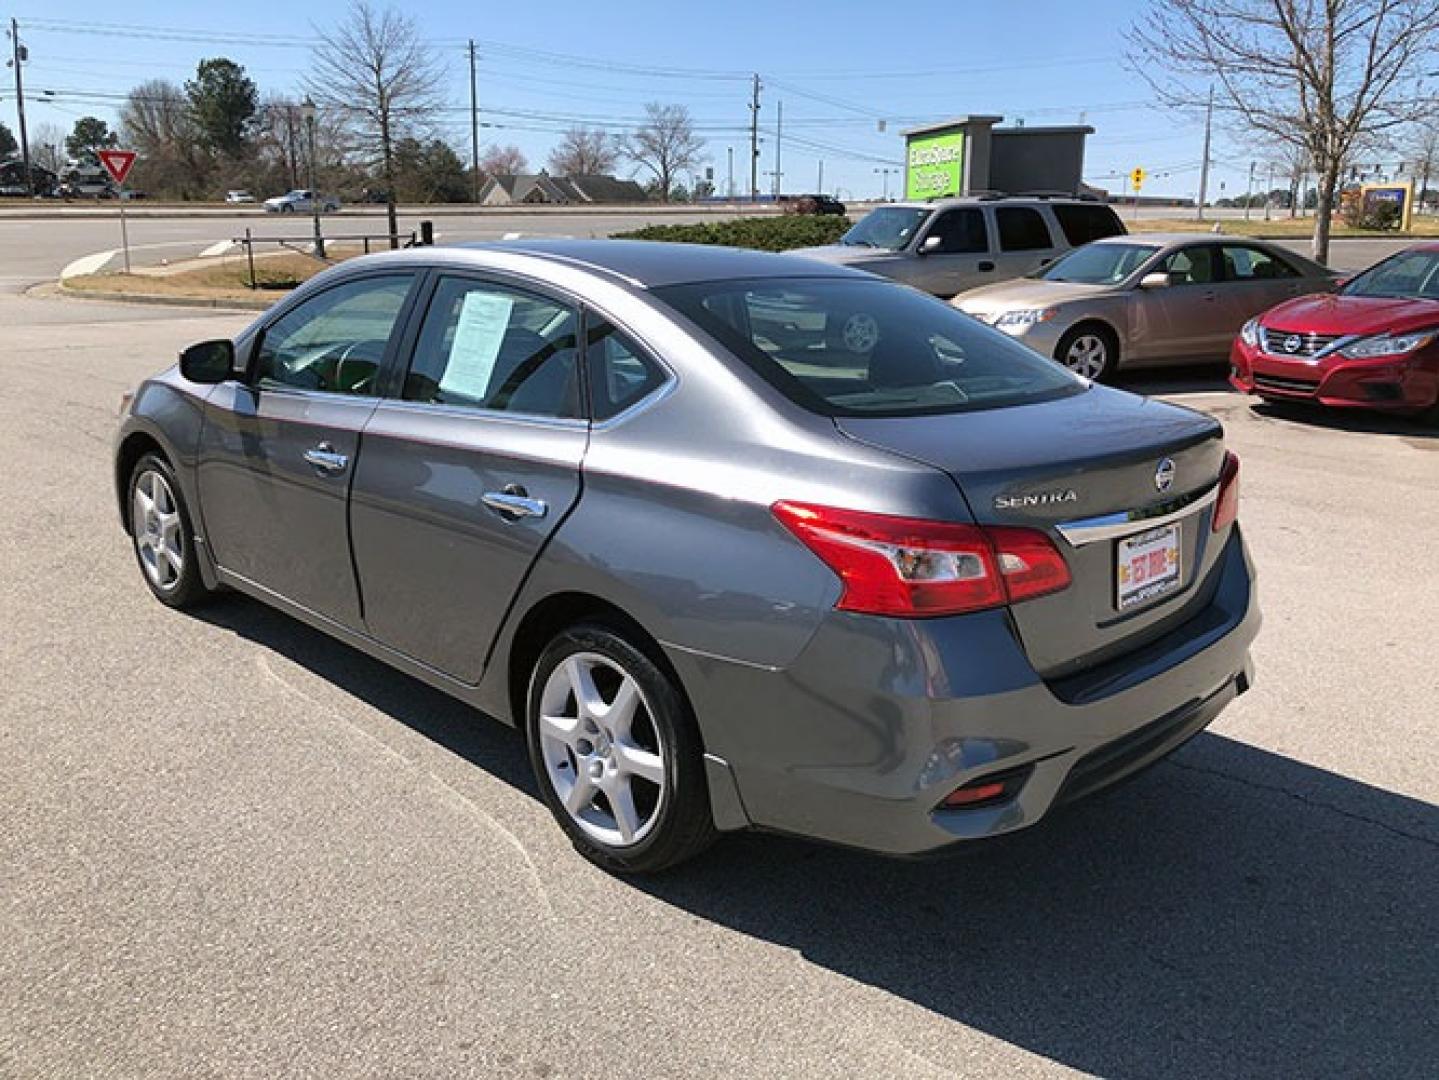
[1285, 228]
[224, 278]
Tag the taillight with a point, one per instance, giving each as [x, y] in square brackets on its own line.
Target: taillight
[1226, 507]
[913, 567]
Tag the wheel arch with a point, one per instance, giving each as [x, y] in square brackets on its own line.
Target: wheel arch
[132, 448]
[552, 614]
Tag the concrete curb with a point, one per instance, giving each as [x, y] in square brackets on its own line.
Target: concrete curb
[211, 303]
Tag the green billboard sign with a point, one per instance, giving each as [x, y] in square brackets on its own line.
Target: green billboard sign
[934, 165]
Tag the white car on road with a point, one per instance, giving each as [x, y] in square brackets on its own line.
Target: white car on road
[240, 196]
[300, 201]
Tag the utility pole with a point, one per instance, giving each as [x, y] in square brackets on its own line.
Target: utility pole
[474, 130]
[20, 55]
[819, 188]
[778, 137]
[1204, 169]
[1249, 190]
[754, 143]
[729, 184]
[1268, 189]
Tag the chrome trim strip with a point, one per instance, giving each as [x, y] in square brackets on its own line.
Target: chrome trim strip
[1127, 522]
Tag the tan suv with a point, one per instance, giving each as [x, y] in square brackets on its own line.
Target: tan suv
[951, 245]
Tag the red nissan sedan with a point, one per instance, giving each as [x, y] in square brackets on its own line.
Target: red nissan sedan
[1374, 343]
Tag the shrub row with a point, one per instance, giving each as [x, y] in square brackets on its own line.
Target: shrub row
[760, 233]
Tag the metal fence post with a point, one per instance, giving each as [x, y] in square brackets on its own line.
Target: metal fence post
[250, 258]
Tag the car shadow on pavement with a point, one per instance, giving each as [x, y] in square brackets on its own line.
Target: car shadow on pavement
[1158, 382]
[1231, 912]
[1360, 421]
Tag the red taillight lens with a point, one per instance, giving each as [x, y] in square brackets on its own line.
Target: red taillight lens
[1226, 507]
[913, 567]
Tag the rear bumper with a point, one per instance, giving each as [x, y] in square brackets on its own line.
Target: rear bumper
[863, 737]
[1405, 385]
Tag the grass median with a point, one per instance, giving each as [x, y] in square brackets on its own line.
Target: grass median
[1277, 228]
[223, 278]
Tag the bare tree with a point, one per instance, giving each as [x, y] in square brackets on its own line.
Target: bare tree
[376, 73]
[156, 121]
[666, 145]
[1323, 75]
[47, 146]
[503, 161]
[584, 152]
[1426, 161]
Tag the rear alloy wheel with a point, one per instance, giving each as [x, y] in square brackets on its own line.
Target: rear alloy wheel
[616, 753]
[1088, 351]
[164, 541]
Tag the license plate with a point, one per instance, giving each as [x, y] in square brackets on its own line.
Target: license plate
[1148, 566]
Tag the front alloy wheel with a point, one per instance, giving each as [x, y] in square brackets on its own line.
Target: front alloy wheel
[1088, 353]
[160, 529]
[616, 753]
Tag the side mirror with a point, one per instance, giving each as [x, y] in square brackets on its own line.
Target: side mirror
[930, 244]
[1154, 281]
[209, 362]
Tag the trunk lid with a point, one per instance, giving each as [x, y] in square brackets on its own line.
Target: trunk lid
[1092, 455]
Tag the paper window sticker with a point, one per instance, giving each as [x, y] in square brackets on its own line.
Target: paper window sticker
[479, 333]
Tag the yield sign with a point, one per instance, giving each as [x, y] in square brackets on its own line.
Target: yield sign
[118, 163]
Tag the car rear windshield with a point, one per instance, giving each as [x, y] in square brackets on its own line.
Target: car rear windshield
[1084, 222]
[889, 227]
[1099, 264]
[1408, 274]
[868, 348]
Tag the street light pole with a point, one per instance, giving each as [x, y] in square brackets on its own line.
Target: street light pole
[307, 110]
[19, 55]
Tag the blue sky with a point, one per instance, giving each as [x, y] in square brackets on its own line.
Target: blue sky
[838, 67]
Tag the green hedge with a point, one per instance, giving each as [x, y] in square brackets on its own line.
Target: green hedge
[760, 233]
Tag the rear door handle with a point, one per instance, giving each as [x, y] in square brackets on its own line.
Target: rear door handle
[986, 266]
[1209, 294]
[325, 458]
[514, 503]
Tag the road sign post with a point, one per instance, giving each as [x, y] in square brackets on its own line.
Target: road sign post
[118, 164]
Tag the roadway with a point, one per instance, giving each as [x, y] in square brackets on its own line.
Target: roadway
[236, 848]
[37, 249]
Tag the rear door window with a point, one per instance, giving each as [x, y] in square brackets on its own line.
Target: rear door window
[1022, 228]
[489, 346]
[1244, 263]
[1082, 222]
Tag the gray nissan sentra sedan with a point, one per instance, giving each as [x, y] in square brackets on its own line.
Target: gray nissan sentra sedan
[723, 572]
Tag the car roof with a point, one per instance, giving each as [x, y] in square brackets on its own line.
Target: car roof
[994, 200]
[651, 264]
[1169, 239]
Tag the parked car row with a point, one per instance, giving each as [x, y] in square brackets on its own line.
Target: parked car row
[1063, 276]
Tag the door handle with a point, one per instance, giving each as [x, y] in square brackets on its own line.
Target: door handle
[985, 267]
[1209, 294]
[513, 503]
[324, 458]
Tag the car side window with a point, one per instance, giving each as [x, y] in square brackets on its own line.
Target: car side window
[1192, 266]
[1022, 228]
[620, 374]
[1083, 222]
[1244, 263]
[488, 346]
[334, 341]
[960, 232]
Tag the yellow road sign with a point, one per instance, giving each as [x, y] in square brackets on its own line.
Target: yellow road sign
[1137, 177]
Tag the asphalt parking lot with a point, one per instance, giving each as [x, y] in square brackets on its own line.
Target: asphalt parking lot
[236, 848]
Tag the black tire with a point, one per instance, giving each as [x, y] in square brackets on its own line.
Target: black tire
[1094, 332]
[182, 588]
[678, 824]
[286, 208]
